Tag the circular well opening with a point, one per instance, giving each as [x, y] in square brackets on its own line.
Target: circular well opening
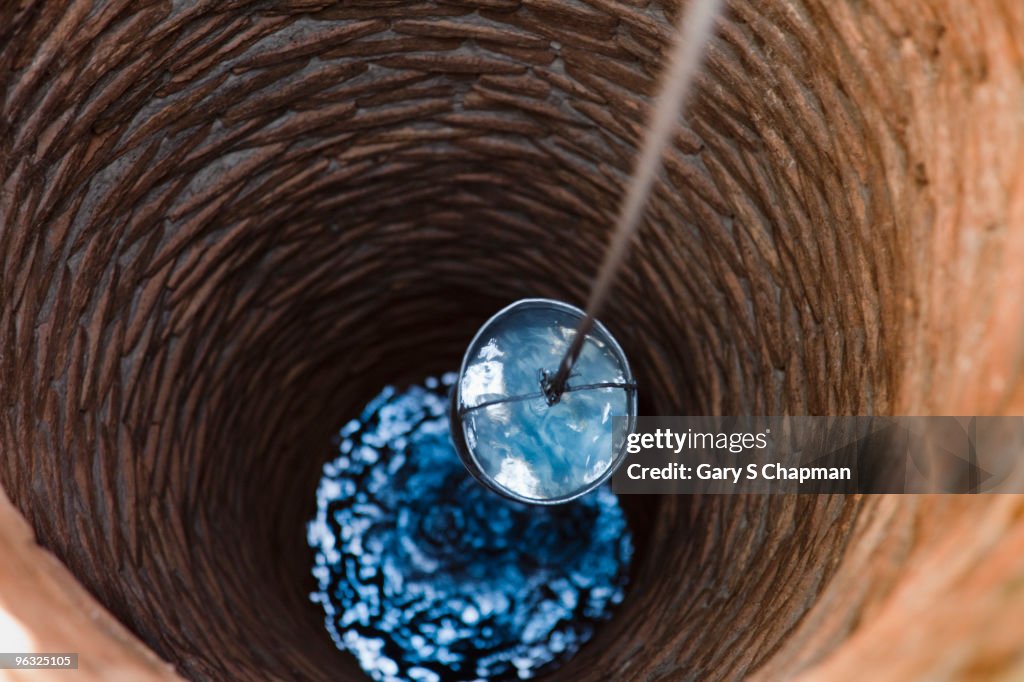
[234, 227]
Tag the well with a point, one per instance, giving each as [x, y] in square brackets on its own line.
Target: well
[224, 225]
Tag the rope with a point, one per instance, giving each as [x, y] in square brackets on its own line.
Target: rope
[692, 35]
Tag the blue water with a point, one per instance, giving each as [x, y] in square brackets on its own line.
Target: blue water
[535, 450]
[426, 575]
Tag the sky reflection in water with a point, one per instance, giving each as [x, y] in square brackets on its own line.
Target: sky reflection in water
[425, 575]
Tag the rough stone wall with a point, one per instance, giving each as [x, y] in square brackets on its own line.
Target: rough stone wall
[223, 225]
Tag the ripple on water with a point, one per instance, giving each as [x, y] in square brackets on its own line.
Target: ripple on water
[425, 575]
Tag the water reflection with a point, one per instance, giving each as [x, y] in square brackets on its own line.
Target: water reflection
[425, 575]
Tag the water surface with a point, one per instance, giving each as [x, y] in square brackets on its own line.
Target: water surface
[426, 575]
